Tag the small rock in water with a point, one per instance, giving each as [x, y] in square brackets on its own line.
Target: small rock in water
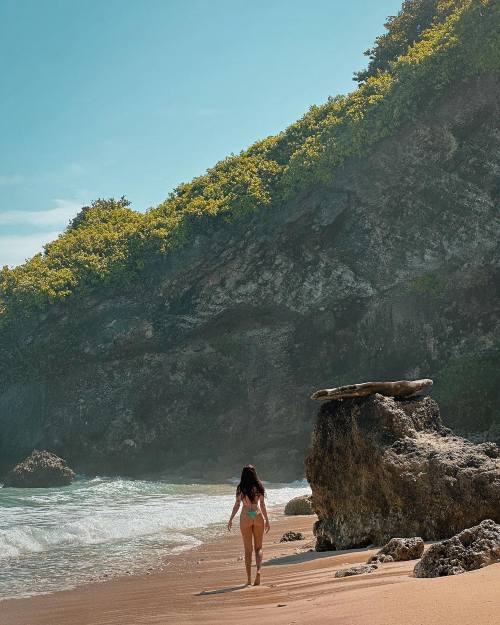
[41, 469]
[290, 536]
[356, 570]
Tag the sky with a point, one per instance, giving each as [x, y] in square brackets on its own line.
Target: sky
[132, 97]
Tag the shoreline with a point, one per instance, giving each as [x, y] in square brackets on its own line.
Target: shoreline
[100, 529]
[205, 584]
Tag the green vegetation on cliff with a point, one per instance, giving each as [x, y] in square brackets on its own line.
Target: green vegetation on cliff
[430, 45]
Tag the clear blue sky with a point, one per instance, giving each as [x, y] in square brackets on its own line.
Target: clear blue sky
[106, 98]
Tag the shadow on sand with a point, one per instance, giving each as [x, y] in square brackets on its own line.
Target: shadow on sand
[308, 556]
[220, 591]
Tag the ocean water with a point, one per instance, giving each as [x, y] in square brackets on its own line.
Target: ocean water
[57, 538]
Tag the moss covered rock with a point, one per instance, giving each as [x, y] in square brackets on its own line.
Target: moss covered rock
[299, 505]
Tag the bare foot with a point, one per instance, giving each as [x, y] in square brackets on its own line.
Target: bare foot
[249, 582]
[257, 580]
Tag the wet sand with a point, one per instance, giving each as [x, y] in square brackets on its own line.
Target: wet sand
[205, 585]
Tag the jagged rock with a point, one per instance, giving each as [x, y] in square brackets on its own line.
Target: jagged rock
[381, 467]
[299, 505]
[383, 559]
[473, 548]
[290, 536]
[41, 469]
[356, 570]
[398, 549]
[401, 388]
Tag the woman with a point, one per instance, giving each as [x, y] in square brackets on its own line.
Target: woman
[253, 518]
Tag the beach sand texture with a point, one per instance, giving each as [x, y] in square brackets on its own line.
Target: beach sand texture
[298, 588]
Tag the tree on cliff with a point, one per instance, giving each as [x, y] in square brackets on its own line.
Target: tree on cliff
[403, 30]
[102, 209]
[429, 45]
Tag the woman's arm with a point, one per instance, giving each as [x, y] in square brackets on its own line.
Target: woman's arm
[264, 512]
[236, 507]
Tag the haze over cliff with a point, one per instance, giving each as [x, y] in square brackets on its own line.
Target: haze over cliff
[360, 243]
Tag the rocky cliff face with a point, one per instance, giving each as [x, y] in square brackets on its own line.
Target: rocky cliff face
[381, 467]
[390, 272]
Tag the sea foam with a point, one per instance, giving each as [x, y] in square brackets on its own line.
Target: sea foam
[57, 538]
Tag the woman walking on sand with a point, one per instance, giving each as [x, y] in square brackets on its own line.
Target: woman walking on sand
[253, 518]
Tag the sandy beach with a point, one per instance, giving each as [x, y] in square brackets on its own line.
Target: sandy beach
[205, 585]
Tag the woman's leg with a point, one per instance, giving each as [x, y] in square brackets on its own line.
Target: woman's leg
[258, 535]
[247, 534]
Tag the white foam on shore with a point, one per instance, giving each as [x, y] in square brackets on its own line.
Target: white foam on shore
[54, 538]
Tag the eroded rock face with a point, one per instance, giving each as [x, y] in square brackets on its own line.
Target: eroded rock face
[389, 271]
[473, 548]
[381, 467]
[41, 469]
[398, 549]
[299, 505]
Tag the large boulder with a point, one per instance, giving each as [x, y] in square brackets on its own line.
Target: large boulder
[383, 466]
[398, 549]
[299, 505]
[473, 548]
[41, 469]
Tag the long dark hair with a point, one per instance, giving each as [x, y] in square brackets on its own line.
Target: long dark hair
[250, 485]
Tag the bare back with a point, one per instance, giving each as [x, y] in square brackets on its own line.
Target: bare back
[248, 504]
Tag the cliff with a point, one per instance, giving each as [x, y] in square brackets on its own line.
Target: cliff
[362, 242]
[381, 467]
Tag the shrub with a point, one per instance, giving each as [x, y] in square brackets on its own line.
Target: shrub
[428, 46]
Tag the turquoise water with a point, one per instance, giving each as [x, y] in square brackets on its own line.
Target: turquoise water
[56, 538]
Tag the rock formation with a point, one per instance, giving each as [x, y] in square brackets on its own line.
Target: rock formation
[356, 570]
[398, 549]
[389, 269]
[299, 505]
[290, 536]
[402, 388]
[381, 467]
[41, 469]
[471, 549]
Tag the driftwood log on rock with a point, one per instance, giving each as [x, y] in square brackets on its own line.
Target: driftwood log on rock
[401, 388]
